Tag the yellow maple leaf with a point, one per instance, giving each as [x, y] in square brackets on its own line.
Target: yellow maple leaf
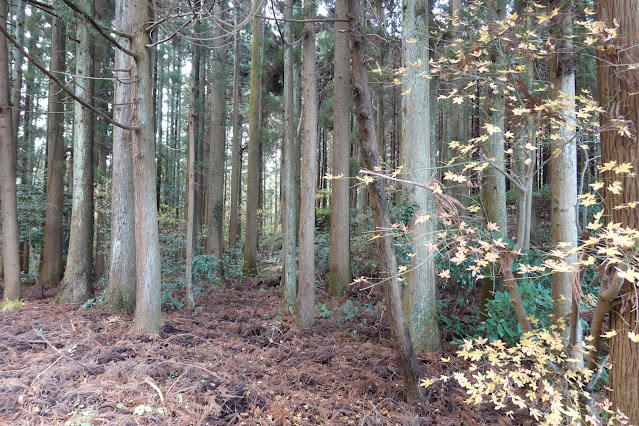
[444, 274]
[623, 168]
[609, 334]
[607, 166]
[633, 336]
[615, 188]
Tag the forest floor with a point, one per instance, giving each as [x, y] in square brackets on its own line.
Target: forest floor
[238, 360]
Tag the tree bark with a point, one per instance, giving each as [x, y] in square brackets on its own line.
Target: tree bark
[77, 284]
[217, 140]
[52, 268]
[120, 291]
[236, 155]
[563, 166]
[306, 291]
[253, 166]
[8, 159]
[148, 280]
[339, 274]
[406, 359]
[417, 156]
[618, 84]
[289, 196]
[191, 205]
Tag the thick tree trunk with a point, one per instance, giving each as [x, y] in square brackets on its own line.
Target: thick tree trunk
[52, 268]
[148, 294]
[306, 291]
[563, 167]
[77, 284]
[10, 249]
[493, 184]
[120, 291]
[253, 166]
[339, 274]
[217, 140]
[618, 81]
[289, 196]
[406, 359]
[417, 157]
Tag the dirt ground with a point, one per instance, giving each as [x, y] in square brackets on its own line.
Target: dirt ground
[239, 360]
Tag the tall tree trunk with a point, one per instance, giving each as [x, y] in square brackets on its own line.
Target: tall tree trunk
[120, 291]
[306, 291]
[77, 284]
[418, 155]
[339, 274]
[52, 268]
[406, 359]
[217, 140]
[148, 291]
[8, 158]
[493, 185]
[236, 155]
[289, 196]
[563, 166]
[16, 77]
[253, 167]
[191, 205]
[618, 81]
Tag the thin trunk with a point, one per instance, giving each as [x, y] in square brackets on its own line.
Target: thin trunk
[387, 265]
[306, 291]
[191, 207]
[120, 291]
[100, 234]
[253, 167]
[77, 284]
[236, 160]
[8, 158]
[148, 295]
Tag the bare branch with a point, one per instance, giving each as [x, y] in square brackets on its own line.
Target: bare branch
[55, 79]
[98, 28]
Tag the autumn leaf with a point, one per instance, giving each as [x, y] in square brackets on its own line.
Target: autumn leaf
[444, 274]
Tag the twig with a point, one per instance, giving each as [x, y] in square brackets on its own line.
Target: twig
[45, 370]
[155, 387]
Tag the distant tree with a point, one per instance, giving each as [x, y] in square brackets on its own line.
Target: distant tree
[77, 284]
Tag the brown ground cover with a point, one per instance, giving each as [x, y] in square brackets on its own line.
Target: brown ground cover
[240, 360]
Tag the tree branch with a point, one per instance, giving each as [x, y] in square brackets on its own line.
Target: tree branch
[98, 28]
[61, 84]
